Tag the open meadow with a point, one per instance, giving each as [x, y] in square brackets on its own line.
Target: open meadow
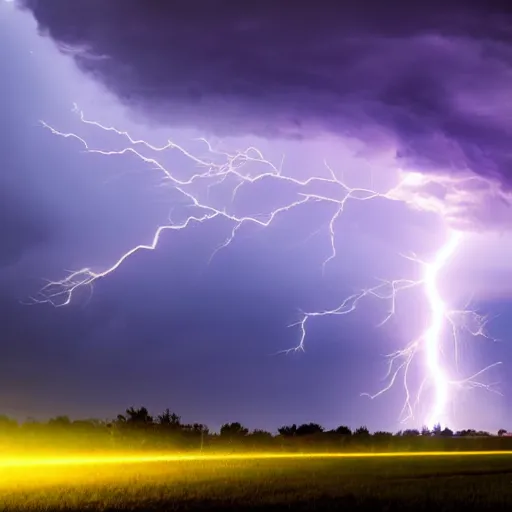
[420, 483]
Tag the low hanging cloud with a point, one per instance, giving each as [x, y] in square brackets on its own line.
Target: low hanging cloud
[432, 81]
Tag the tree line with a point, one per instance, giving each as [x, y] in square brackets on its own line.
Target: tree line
[137, 429]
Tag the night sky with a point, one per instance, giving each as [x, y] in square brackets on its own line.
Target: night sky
[370, 89]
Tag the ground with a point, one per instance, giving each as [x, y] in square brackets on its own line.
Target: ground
[416, 483]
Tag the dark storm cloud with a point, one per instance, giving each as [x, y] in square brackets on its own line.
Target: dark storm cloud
[431, 79]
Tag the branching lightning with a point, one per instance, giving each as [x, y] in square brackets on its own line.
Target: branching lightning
[429, 345]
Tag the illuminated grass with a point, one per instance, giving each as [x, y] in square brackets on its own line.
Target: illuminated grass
[395, 481]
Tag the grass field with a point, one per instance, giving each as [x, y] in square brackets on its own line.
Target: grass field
[439, 483]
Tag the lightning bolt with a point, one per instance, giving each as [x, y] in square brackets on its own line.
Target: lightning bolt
[430, 342]
[219, 167]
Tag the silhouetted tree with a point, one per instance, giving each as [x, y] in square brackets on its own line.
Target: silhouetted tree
[199, 428]
[436, 430]
[342, 430]
[446, 432]
[288, 431]
[31, 425]
[138, 417]
[7, 424]
[261, 435]
[309, 429]
[425, 431]
[233, 430]
[466, 433]
[169, 419]
[195, 428]
[86, 425]
[361, 432]
[502, 432]
[411, 432]
[59, 421]
[381, 435]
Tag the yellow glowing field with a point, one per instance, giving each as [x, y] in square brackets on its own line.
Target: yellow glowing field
[85, 460]
[245, 481]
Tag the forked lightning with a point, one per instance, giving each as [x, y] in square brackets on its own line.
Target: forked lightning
[444, 323]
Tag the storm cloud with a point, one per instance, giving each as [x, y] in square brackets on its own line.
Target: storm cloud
[432, 81]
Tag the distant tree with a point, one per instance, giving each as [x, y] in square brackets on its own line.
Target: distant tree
[381, 435]
[411, 432]
[7, 423]
[86, 424]
[261, 435]
[308, 429]
[59, 421]
[199, 428]
[342, 430]
[288, 431]
[436, 430]
[425, 431]
[233, 430]
[466, 433]
[361, 432]
[446, 432]
[95, 422]
[502, 432]
[138, 417]
[194, 428]
[169, 419]
[31, 425]
[196, 431]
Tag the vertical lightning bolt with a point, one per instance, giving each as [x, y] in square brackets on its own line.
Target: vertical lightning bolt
[431, 341]
[433, 336]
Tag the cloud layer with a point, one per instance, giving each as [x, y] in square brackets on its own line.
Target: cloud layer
[432, 81]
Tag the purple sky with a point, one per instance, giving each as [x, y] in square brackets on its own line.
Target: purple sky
[170, 330]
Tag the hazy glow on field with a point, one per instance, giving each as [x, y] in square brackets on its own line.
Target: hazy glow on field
[120, 459]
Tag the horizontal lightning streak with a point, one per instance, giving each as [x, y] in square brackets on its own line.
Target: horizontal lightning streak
[24, 462]
[84, 277]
